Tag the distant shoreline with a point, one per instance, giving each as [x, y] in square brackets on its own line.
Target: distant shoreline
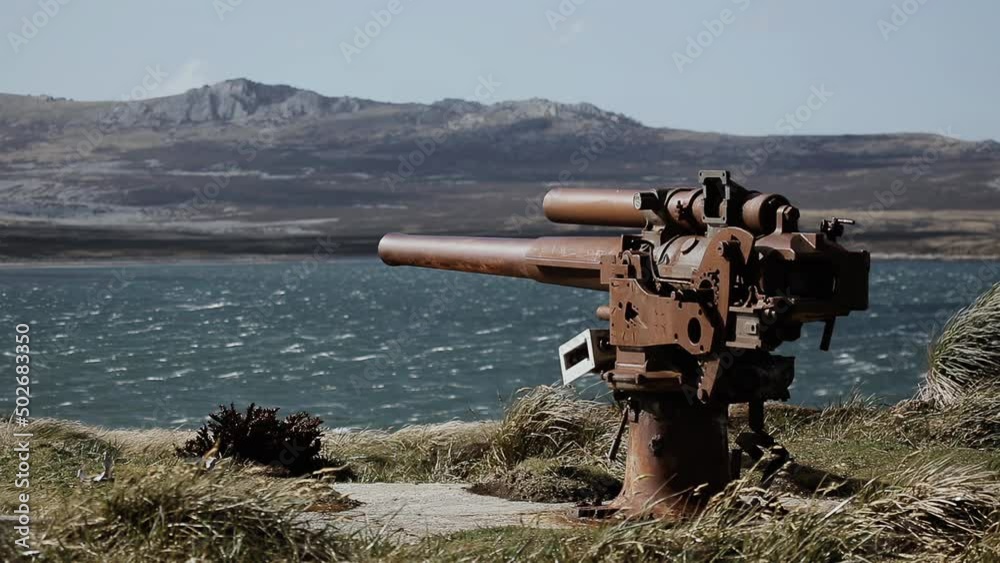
[226, 259]
[903, 235]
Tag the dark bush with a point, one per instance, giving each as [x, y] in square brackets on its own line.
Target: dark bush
[258, 435]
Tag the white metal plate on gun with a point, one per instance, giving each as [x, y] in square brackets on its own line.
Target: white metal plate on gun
[585, 353]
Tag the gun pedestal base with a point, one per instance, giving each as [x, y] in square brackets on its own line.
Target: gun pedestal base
[678, 457]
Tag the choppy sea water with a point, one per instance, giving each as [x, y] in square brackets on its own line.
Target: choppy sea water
[362, 344]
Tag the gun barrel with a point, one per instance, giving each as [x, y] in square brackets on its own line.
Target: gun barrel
[570, 261]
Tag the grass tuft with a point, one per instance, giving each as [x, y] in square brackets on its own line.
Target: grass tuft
[441, 453]
[181, 514]
[542, 423]
[741, 523]
[940, 506]
[551, 422]
[551, 480]
[966, 355]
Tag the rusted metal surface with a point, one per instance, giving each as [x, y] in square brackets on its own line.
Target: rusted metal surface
[679, 210]
[698, 299]
[571, 261]
[678, 456]
[585, 206]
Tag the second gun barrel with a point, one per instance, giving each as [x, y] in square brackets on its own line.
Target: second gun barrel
[593, 206]
[680, 210]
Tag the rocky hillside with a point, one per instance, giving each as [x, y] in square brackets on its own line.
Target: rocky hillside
[240, 155]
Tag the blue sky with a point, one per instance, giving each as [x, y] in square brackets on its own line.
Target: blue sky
[931, 65]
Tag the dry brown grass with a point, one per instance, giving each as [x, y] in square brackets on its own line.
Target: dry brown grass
[180, 513]
[936, 509]
[940, 506]
[966, 355]
[159, 508]
[431, 453]
[552, 423]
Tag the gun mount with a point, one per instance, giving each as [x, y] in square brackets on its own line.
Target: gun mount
[715, 279]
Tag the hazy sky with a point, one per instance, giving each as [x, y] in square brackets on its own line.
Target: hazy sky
[735, 66]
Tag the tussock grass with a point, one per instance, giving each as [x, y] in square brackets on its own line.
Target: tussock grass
[987, 549]
[966, 356]
[939, 506]
[551, 423]
[60, 449]
[932, 509]
[971, 420]
[861, 417]
[959, 401]
[541, 422]
[153, 443]
[741, 523]
[179, 514]
[508, 544]
[925, 503]
[433, 453]
[551, 480]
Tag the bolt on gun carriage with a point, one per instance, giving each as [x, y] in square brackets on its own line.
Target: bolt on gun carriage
[715, 279]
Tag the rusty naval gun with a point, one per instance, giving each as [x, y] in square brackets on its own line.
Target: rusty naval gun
[714, 278]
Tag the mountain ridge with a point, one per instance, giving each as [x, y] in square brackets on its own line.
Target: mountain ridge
[240, 156]
[240, 100]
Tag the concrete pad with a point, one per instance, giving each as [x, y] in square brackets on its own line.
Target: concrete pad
[408, 512]
[413, 511]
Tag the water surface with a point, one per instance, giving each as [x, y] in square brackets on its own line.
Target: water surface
[361, 344]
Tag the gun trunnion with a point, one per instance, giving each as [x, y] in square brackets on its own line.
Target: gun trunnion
[716, 277]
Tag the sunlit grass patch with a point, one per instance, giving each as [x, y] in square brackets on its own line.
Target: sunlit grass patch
[966, 355]
[181, 513]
